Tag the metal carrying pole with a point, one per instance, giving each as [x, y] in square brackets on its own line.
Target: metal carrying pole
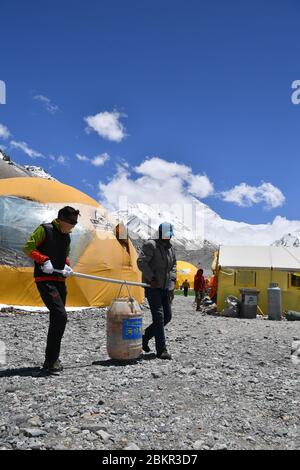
[105, 279]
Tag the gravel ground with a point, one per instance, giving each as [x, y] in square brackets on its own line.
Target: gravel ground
[231, 385]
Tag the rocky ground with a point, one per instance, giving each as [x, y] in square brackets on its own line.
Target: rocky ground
[231, 385]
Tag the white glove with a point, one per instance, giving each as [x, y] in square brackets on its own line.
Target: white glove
[67, 271]
[47, 267]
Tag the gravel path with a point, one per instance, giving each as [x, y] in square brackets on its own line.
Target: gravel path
[231, 385]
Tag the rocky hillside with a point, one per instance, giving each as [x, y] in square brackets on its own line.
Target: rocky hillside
[202, 257]
[11, 169]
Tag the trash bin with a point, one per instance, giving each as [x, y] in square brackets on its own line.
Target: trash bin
[249, 301]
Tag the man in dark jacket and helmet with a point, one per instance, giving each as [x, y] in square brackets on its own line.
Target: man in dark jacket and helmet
[157, 262]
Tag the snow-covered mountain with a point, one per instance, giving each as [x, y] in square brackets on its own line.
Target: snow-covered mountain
[142, 222]
[206, 225]
[289, 240]
[11, 169]
[39, 172]
[199, 227]
[3, 156]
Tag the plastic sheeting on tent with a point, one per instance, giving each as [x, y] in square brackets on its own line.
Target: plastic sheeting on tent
[185, 271]
[25, 203]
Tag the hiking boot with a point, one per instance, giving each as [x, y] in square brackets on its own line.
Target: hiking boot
[145, 345]
[164, 355]
[53, 368]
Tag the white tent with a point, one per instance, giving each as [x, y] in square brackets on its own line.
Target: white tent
[260, 257]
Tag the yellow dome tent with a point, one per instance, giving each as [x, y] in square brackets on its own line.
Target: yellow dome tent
[25, 203]
[185, 271]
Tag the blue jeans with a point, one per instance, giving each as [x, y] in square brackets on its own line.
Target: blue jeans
[159, 302]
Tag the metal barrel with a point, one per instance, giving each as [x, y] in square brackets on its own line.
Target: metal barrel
[274, 302]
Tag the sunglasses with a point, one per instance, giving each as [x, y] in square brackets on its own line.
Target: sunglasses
[70, 221]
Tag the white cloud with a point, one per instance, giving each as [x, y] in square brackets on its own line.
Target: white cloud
[87, 184]
[24, 147]
[245, 196]
[50, 107]
[160, 182]
[272, 195]
[107, 125]
[174, 196]
[160, 169]
[4, 132]
[82, 158]
[100, 159]
[200, 186]
[124, 163]
[62, 160]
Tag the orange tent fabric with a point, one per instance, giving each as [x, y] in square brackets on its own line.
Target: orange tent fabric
[25, 203]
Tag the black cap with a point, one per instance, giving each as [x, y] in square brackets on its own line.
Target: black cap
[68, 214]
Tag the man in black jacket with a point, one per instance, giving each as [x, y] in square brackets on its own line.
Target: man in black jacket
[157, 262]
[49, 247]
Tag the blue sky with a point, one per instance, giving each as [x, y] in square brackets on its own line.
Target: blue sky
[205, 84]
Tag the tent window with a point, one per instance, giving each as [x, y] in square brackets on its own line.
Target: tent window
[295, 280]
[245, 278]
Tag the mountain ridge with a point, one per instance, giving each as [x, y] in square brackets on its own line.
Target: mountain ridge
[197, 234]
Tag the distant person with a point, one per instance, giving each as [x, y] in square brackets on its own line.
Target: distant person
[49, 247]
[199, 287]
[157, 262]
[213, 288]
[185, 286]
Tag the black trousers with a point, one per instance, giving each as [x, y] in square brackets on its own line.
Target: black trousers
[171, 295]
[54, 296]
[199, 295]
[159, 302]
[185, 291]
